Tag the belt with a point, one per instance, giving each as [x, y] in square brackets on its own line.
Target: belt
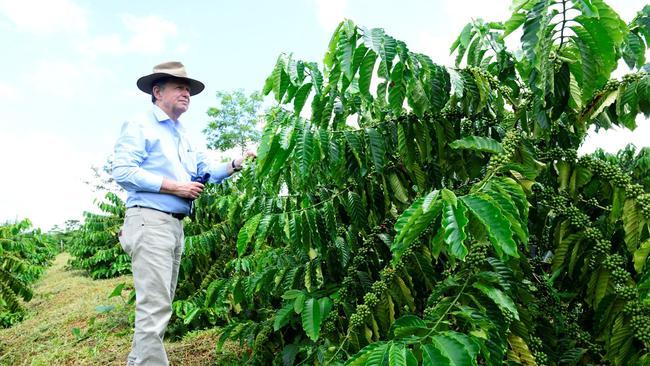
[175, 215]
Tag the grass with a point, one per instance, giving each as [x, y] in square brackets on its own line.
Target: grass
[65, 327]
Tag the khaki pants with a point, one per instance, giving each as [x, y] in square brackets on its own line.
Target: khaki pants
[155, 242]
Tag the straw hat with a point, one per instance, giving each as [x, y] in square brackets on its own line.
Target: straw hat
[169, 69]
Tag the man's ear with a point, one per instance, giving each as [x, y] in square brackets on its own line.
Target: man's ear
[156, 92]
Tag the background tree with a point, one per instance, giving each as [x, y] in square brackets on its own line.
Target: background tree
[234, 122]
[102, 180]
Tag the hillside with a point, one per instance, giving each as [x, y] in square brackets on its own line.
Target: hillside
[65, 300]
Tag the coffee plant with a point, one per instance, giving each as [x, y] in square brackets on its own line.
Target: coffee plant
[95, 247]
[425, 214]
[24, 255]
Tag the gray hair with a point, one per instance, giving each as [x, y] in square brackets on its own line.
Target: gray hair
[160, 83]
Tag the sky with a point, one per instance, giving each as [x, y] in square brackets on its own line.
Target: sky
[70, 67]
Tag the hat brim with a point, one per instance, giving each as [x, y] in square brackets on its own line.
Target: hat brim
[146, 83]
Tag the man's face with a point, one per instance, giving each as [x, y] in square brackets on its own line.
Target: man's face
[173, 97]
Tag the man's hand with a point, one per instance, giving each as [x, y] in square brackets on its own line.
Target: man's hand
[240, 160]
[189, 190]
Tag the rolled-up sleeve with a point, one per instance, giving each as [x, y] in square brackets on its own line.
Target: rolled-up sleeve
[218, 171]
[130, 152]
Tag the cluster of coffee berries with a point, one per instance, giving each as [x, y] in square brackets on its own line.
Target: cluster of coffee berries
[477, 255]
[591, 233]
[626, 292]
[603, 246]
[576, 217]
[641, 326]
[620, 276]
[644, 201]
[509, 144]
[558, 153]
[613, 262]
[370, 299]
[379, 287]
[535, 343]
[541, 358]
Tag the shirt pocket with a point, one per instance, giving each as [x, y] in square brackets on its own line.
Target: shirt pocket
[188, 157]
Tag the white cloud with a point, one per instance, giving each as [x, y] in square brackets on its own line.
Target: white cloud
[45, 16]
[145, 35]
[182, 48]
[150, 33]
[55, 78]
[64, 79]
[330, 13]
[45, 184]
[8, 92]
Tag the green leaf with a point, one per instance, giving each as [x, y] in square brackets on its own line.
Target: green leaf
[397, 355]
[343, 249]
[292, 294]
[417, 97]
[407, 325]
[414, 220]
[497, 226]
[246, 233]
[452, 349]
[513, 190]
[305, 151]
[398, 189]
[641, 255]
[471, 345]
[520, 348]
[316, 77]
[518, 225]
[311, 318]
[598, 103]
[515, 21]
[463, 38]
[299, 303]
[301, 98]
[500, 298]
[377, 148]
[325, 305]
[627, 104]
[268, 145]
[379, 356]
[117, 291]
[396, 94]
[634, 51]
[365, 72]
[356, 209]
[633, 221]
[601, 287]
[432, 356]
[478, 143]
[280, 79]
[454, 222]
[533, 31]
[377, 349]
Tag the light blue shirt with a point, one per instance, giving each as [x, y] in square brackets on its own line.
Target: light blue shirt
[152, 147]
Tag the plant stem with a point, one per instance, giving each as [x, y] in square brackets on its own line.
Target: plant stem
[449, 308]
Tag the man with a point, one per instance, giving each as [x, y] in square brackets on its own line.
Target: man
[156, 164]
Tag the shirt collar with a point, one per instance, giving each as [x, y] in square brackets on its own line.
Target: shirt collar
[161, 117]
